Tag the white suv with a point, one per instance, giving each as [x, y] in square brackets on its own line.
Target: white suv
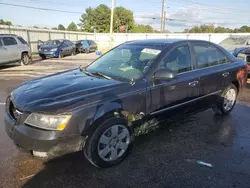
[13, 49]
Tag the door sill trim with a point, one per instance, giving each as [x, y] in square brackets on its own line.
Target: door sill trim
[193, 100]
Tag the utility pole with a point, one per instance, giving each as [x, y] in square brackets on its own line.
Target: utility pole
[164, 21]
[111, 24]
[162, 14]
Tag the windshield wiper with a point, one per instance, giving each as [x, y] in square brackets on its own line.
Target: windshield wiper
[86, 72]
[101, 74]
[95, 74]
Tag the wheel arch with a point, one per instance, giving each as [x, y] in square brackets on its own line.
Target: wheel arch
[107, 111]
[236, 83]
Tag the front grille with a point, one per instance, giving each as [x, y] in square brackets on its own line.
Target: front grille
[14, 112]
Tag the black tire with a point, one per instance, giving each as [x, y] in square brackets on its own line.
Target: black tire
[60, 55]
[25, 59]
[220, 109]
[43, 57]
[87, 51]
[92, 144]
[73, 52]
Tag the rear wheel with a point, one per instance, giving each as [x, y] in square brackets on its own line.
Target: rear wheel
[73, 52]
[25, 59]
[110, 143]
[87, 51]
[227, 101]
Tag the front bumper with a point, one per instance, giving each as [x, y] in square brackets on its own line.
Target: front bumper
[48, 54]
[30, 139]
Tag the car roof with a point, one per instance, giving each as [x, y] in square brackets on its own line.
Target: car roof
[8, 35]
[154, 41]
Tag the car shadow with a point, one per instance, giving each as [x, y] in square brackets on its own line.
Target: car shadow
[159, 151]
[3, 67]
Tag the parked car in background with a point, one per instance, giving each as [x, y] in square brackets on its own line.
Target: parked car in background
[86, 46]
[56, 48]
[239, 46]
[14, 49]
[99, 108]
[236, 44]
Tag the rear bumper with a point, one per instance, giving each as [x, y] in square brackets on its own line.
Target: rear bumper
[30, 139]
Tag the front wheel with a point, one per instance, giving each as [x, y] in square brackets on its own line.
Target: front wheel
[110, 143]
[60, 55]
[227, 101]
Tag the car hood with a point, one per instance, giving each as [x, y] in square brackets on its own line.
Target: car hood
[55, 92]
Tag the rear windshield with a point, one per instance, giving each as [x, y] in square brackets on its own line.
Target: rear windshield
[54, 42]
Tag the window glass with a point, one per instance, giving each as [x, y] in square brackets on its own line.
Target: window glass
[93, 42]
[22, 40]
[9, 41]
[124, 62]
[206, 55]
[69, 43]
[178, 60]
[54, 42]
[1, 44]
[222, 57]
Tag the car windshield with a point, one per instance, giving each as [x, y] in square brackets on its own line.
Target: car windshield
[53, 42]
[127, 61]
[234, 40]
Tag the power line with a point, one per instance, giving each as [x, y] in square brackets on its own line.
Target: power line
[38, 8]
[54, 3]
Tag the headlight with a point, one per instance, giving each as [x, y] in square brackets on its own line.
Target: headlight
[53, 49]
[49, 122]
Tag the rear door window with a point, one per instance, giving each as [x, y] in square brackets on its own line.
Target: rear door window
[22, 40]
[8, 41]
[208, 55]
[222, 57]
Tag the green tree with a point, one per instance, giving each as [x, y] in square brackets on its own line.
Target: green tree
[244, 29]
[2, 22]
[61, 27]
[97, 18]
[72, 27]
[211, 29]
[123, 16]
[138, 28]
[54, 28]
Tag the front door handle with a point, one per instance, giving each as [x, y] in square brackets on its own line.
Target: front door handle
[225, 74]
[194, 83]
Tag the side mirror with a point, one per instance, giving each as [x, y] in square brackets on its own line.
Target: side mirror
[163, 74]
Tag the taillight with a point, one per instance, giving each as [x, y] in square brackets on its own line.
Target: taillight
[247, 67]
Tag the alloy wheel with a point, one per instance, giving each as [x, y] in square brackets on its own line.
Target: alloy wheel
[229, 99]
[113, 143]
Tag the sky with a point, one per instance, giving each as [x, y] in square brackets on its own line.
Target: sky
[182, 13]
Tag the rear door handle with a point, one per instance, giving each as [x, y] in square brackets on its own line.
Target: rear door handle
[194, 83]
[225, 74]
